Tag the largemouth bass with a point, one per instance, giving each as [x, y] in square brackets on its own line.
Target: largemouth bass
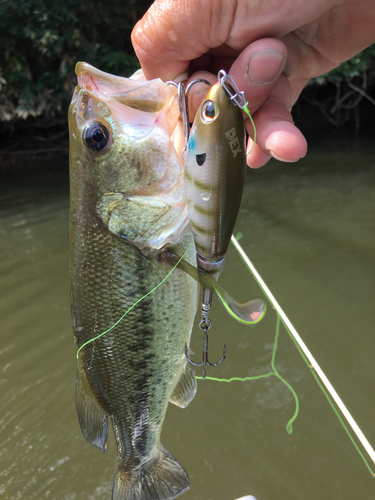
[127, 209]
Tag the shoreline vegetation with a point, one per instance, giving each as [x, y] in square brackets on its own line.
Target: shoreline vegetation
[43, 39]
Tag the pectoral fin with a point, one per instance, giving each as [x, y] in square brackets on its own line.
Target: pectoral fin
[249, 313]
[134, 216]
[92, 418]
[186, 387]
[146, 221]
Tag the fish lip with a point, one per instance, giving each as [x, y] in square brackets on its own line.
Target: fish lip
[150, 94]
[84, 67]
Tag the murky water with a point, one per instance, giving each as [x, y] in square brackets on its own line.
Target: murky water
[309, 230]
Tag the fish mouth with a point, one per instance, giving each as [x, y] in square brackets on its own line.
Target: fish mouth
[137, 93]
[156, 99]
[145, 115]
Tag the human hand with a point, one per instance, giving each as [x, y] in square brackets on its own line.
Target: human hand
[203, 34]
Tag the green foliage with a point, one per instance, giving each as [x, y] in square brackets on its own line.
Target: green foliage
[344, 94]
[364, 61]
[41, 41]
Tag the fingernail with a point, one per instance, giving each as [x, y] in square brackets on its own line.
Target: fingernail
[264, 66]
[282, 159]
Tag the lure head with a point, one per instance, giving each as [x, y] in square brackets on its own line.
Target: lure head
[215, 169]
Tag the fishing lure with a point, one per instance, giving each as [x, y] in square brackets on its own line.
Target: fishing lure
[215, 167]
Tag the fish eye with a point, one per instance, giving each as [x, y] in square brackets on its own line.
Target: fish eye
[96, 136]
[209, 112]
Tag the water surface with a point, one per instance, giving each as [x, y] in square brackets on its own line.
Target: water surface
[309, 230]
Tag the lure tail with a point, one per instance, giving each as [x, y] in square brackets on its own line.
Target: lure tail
[248, 313]
[162, 478]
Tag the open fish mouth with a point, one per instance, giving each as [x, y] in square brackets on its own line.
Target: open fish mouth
[139, 121]
[149, 96]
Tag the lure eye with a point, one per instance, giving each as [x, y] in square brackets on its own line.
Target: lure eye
[96, 136]
[209, 112]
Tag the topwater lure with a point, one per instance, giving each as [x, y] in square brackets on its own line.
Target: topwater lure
[215, 167]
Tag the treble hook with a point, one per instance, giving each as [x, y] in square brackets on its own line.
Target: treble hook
[204, 325]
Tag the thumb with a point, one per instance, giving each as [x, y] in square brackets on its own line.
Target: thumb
[257, 69]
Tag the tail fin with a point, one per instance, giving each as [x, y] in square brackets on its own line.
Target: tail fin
[162, 478]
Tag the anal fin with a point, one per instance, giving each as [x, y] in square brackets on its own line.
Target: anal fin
[186, 387]
[92, 418]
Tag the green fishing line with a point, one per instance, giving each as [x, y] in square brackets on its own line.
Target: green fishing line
[274, 373]
[237, 379]
[135, 303]
[246, 109]
[289, 425]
